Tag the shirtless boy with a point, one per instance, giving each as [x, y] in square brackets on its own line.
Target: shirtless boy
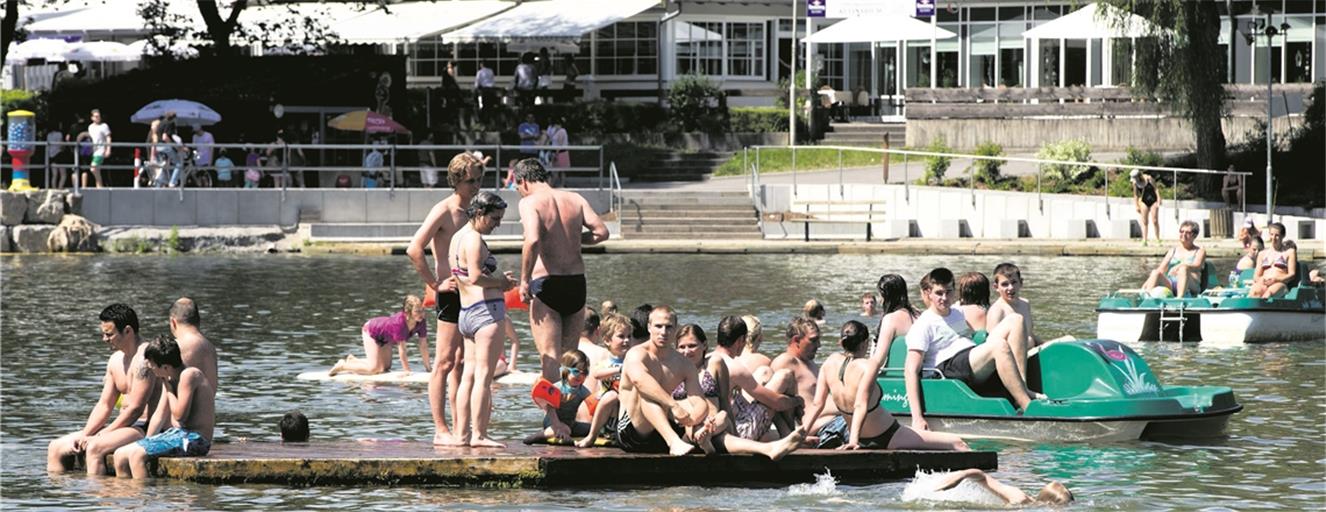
[196, 350]
[552, 273]
[443, 221]
[1008, 283]
[187, 410]
[127, 375]
[754, 405]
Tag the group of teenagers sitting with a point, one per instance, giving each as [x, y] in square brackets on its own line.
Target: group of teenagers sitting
[1274, 263]
[647, 384]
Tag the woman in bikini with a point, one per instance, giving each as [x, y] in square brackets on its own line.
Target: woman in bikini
[848, 378]
[1277, 266]
[482, 311]
[1147, 200]
[692, 344]
[1181, 270]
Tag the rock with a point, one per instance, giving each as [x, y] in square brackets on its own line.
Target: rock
[45, 207]
[73, 204]
[32, 237]
[74, 234]
[6, 244]
[14, 206]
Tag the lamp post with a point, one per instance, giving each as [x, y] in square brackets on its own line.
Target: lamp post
[1265, 27]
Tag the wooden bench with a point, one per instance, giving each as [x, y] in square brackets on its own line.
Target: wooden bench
[840, 212]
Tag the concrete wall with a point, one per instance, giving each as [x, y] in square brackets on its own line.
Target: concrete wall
[1156, 134]
[231, 207]
[939, 212]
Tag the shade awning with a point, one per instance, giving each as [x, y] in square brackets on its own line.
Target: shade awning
[550, 20]
[869, 29]
[1095, 21]
[109, 18]
[411, 21]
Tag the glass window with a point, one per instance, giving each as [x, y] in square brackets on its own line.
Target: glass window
[1049, 63]
[918, 65]
[1299, 62]
[745, 49]
[704, 47]
[1121, 61]
[829, 63]
[1075, 62]
[888, 69]
[699, 48]
[1012, 67]
[625, 48]
[947, 72]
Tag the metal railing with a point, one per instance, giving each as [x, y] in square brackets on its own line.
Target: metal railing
[907, 155]
[390, 159]
[615, 188]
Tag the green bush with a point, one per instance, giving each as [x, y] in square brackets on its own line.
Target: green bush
[987, 171]
[937, 166]
[1071, 150]
[697, 104]
[758, 119]
[1134, 156]
[19, 99]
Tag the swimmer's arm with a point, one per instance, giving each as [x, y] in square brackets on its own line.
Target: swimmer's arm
[912, 376]
[423, 354]
[474, 265]
[1011, 495]
[405, 361]
[184, 393]
[529, 249]
[605, 372]
[775, 400]
[515, 344]
[105, 404]
[724, 378]
[423, 237]
[645, 384]
[159, 416]
[142, 384]
[1163, 266]
[1031, 325]
[598, 231]
[953, 479]
[886, 334]
[821, 394]
[1199, 260]
[1291, 256]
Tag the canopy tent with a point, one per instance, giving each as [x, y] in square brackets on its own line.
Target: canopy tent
[869, 29]
[109, 18]
[549, 20]
[103, 51]
[411, 21]
[1095, 21]
[51, 50]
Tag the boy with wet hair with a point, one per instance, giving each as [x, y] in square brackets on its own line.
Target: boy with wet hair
[187, 407]
[941, 339]
[294, 427]
[1008, 284]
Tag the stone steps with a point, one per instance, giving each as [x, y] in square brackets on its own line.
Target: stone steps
[698, 215]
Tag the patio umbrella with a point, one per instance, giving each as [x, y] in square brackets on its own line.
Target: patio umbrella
[366, 121]
[186, 112]
[49, 49]
[102, 51]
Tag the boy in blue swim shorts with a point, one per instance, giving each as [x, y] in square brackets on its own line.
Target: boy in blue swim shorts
[187, 410]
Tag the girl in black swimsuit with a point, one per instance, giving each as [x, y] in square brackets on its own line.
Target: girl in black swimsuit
[1147, 201]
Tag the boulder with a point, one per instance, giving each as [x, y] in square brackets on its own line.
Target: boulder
[74, 234]
[74, 203]
[45, 207]
[13, 206]
[32, 237]
[6, 243]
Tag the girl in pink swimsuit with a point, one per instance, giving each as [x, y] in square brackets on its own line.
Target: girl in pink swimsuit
[380, 333]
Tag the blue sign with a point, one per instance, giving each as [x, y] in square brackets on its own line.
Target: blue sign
[925, 8]
[816, 8]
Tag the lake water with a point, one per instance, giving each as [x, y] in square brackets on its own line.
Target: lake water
[274, 317]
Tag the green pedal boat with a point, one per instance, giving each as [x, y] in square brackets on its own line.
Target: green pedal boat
[1097, 390]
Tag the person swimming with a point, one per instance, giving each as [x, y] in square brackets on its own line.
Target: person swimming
[976, 487]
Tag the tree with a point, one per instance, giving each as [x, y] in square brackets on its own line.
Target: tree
[1181, 62]
[219, 29]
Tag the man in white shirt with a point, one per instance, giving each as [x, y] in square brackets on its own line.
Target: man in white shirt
[100, 134]
[484, 82]
[940, 339]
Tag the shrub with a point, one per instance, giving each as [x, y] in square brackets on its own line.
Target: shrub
[937, 166]
[1071, 150]
[758, 119]
[987, 171]
[19, 99]
[1134, 156]
[697, 104]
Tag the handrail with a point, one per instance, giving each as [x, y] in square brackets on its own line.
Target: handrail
[614, 188]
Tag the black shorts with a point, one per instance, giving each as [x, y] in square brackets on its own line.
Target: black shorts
[565, 294]
[958, 367]
[448, 307]
[632, 441]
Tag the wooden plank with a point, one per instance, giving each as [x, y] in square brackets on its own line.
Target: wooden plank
[419, 463]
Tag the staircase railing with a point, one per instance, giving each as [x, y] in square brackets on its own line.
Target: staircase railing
[753, 184]
[614, 188]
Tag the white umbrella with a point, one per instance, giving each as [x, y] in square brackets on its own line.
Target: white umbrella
[186, 112]
[179, 49]
[102, 51]
[885, 27]
[49, 49]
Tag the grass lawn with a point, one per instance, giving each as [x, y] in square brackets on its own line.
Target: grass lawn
[780, 160]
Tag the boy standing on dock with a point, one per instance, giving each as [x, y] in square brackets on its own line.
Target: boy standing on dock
[188, 407]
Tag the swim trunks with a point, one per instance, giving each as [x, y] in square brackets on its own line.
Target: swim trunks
[958, 367]
[176, 442]
[565, 294]
[448, 306]
[833, 434]
[752, 418]
[881, 441]
[481, 314]
[98, 159]
[632, 441]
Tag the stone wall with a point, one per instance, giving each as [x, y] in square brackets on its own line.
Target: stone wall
[1116, 134]
[44, 221]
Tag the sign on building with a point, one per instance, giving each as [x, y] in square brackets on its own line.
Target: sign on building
[816, 8]
[925, 8]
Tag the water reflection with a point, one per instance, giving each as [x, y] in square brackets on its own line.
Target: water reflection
[275, 317]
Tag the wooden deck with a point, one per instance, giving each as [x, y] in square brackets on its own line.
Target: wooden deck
[418, 463]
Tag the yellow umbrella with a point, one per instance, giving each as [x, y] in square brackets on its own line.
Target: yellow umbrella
[366, 121]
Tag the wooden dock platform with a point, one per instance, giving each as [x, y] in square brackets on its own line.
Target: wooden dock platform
[419, 463]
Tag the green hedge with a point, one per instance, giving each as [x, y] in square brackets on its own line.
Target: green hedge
[758, 119]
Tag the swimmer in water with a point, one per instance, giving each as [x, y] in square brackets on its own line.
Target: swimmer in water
[943, 487]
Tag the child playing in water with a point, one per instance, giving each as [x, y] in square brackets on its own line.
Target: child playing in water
[1008, 283]
[979, 488]
[294, 427]
[380, 333]
[616, 330]
[559, 422]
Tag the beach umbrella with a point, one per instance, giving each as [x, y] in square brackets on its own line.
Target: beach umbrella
[186, 112]
[366, 121]
[102, 51]
[49, 49]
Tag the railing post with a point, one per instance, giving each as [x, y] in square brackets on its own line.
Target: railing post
[907, 177]
[840, 172]
[77, 173]
[971, 179]
[498, 163]
[286, 176]
[46, 166]
[1107, 193]
[392, 168]
[1040, 201]
[1175, 175]
[794, 171]
[600, 168]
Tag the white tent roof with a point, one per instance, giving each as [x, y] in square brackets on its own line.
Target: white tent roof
[550, 20]
[103, 18]
[867, 29]
[1095, 21]
[411, 21]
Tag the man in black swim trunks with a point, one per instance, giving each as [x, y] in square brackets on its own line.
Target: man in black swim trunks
[552, 273]
[444, 220]
[128, 376]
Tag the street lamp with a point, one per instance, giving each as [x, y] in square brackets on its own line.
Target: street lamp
[1257, 27]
